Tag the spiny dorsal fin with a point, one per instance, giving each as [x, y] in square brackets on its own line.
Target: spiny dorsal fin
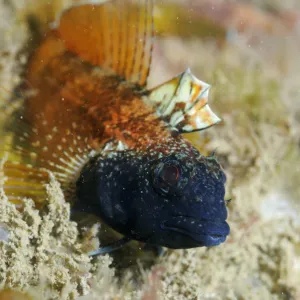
[115, 35]
[182, 102]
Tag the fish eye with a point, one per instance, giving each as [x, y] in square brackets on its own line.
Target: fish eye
[169, 174]
[166, 177]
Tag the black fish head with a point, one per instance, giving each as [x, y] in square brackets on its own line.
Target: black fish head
[174, 200]
[195, 214]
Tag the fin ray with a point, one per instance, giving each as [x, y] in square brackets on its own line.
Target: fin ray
[115, 35]
[23, 172]
[19, 181]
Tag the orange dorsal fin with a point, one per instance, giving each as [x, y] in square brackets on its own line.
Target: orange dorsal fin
[116, 35]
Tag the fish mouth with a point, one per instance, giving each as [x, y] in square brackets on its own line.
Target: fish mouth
[202, 232]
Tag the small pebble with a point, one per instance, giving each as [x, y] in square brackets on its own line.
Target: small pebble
[4, 234]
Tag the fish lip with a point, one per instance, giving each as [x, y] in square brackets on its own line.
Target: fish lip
[184, 230]
[209, 238]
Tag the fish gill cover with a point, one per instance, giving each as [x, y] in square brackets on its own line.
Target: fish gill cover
[267, 264]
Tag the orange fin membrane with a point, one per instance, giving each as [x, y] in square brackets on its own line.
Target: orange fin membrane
[23, 174]
[183, 103]
[116, 35]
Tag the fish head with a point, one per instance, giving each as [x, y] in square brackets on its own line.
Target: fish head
[192, 188]
[174, 200]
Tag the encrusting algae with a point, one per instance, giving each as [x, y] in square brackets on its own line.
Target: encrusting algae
[260, 260]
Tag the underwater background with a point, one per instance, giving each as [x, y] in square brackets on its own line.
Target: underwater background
[249, 52]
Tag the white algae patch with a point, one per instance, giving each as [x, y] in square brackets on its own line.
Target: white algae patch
[43, 248]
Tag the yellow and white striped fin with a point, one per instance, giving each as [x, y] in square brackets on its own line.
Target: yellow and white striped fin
[183, 103]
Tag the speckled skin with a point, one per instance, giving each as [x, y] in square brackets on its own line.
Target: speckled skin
[120, 187]
[79, 101]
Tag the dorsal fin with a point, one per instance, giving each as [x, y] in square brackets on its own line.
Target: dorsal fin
[182, 102]
[115, 35]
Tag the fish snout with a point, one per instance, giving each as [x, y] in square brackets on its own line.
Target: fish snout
[203, 232]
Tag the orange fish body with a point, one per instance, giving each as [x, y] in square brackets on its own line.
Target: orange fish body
[115, 146]
[88, 106]
[81, 105]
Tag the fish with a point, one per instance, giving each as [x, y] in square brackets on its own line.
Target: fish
[115, 146]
